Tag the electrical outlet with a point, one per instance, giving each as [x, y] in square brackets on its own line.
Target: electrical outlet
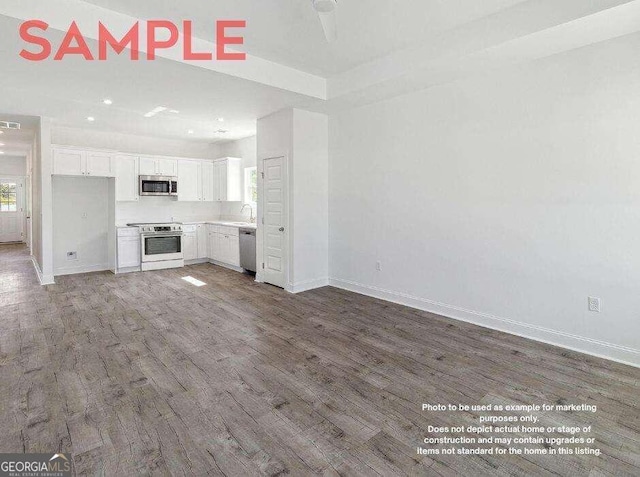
[379, 266]
[595, 304]
[72, 255]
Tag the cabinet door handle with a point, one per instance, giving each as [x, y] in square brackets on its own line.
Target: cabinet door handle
[281, 229]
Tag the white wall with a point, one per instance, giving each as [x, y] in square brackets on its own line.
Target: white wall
[165, 209]
[245, 149]
[302, 137]
[133, 144]
[507, 197]
[80, 224]
[42, 213]
[310, 199]
[13, 166]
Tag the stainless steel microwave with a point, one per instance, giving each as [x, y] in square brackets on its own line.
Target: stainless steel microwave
[158, 185]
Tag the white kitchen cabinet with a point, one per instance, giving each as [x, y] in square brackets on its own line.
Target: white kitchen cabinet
[227, 179]
[213, 244]
[68, 162]
[126, 168]
[224, 245]
[189, 181]
[148, 166]
[233, 250]
[190, 245]
[128, 248]
[156, 166]
[207, 182]
[100, 164]
[203, 241]
[76, 162]
[168, 167]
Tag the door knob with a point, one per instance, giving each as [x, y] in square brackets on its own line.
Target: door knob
[281, 229]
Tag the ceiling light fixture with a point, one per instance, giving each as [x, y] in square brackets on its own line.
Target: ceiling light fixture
[108, 102]
[220, 120]
[155, 111]
[190, 131]
[1, 144]
[91, 119]
[1, 152]
[174, 111]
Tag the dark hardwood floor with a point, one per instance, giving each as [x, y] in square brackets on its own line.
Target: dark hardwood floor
[148, 374]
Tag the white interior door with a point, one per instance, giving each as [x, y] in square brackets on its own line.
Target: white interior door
[275, 222]
[11, 209]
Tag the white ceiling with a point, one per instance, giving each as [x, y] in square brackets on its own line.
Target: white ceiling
[17, 142]
[289, 31]
[69, 91]
[385, 48]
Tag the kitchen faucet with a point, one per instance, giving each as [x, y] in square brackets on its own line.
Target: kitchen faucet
[252, 220]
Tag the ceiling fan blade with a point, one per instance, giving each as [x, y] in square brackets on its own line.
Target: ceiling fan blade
[329, 25]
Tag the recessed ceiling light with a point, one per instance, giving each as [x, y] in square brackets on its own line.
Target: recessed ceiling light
[220, 120]
[1, 152]
[91, 119]
[1, 144]
[190, 131]
[174, 111]
[108, 102]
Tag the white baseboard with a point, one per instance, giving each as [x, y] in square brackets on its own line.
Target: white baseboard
[122, 271]
[226, 265]
[197, 261]
[600, 349]
[307, 285]
[102, 267]
[44, 280]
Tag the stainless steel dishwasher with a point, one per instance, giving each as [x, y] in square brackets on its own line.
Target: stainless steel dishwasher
[248, 249]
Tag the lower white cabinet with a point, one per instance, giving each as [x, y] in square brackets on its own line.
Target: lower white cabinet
[190, 245]
[195, 242]
[203, 239]
[128, 248]
[224, 245]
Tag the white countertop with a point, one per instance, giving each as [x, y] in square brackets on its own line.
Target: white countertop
[212, 222]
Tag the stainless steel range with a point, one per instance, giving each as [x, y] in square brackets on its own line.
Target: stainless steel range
[161, 246]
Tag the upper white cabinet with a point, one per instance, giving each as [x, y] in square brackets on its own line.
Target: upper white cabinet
[168, 167]
[227, 179]
[148, 166]
[68, 162]
[100, 164]
[189, 181]
[208, 189]
[126, 178]
[76, 162]
[156, 166]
